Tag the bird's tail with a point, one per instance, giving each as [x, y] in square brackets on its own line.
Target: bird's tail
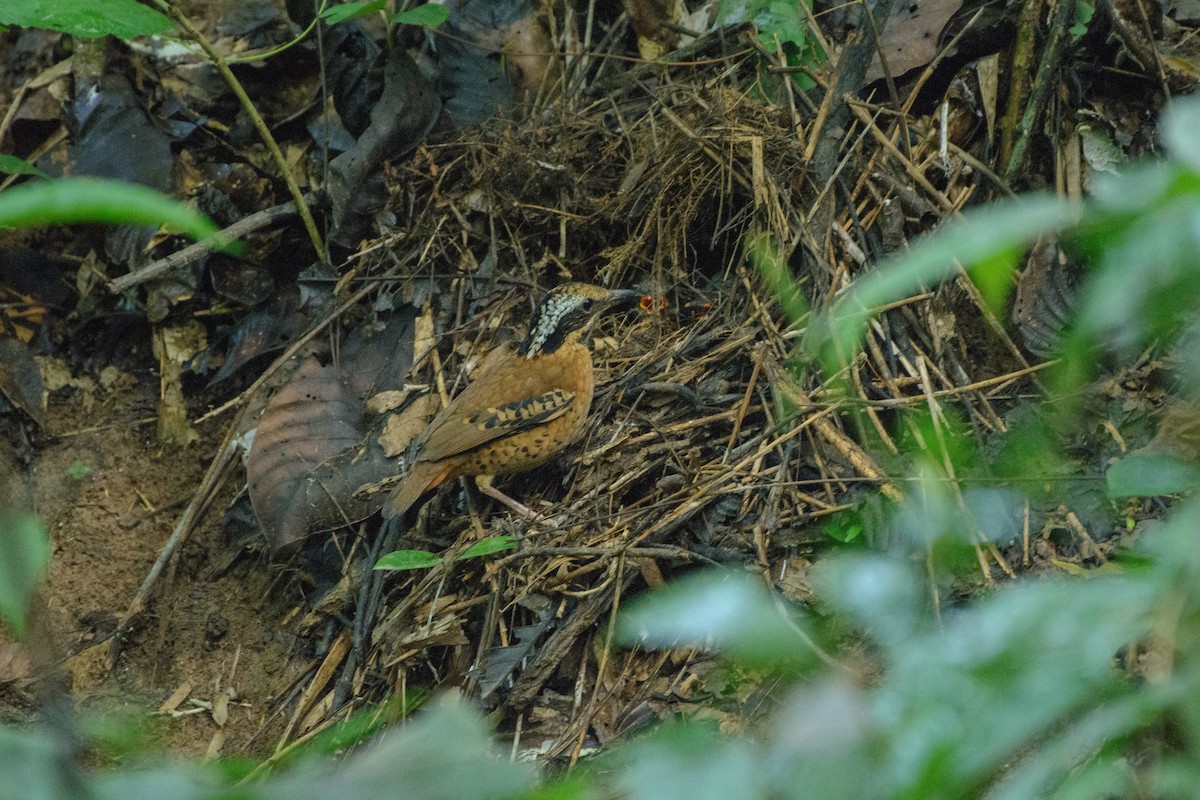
[422, 477]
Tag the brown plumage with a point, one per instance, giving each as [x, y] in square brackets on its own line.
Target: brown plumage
[523, 408]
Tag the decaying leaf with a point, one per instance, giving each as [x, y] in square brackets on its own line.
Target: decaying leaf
[400, 429]
[312, 465]
[20, 380]
[910, 39]
[310, 420]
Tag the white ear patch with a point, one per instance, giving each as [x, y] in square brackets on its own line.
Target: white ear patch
[549, 316]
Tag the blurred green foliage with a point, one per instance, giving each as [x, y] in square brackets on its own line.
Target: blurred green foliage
[24, 556]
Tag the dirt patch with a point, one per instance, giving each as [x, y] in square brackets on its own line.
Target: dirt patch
[110, 496]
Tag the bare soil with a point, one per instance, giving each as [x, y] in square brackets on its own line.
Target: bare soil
[215, 626]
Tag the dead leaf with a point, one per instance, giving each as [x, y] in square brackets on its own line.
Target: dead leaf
[20, 379]
[400, 429]
[220, 709]
[310, 420]
[15, 664]
[910, 39]
[181, 693]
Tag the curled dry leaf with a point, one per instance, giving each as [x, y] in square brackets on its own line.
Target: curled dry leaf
[15, 664]
[309, 421]
[20, 379]
[312, 466]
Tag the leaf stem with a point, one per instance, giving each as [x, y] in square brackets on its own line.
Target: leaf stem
[260, 125]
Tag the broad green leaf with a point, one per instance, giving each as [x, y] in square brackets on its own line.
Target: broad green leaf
[18, 166]
[1147, 280]
[1150, 475]
[1178, 129]
[408, 559]
[880, 594]
[691, 762]
[429, 15]
[994, 278]
[124, 19]
[1042, 767]
[979, 237]
[98, 200]
[24, 556]
[1024, 660]
[39, 764]
[732, 612]
[345, 11]
[444, 752]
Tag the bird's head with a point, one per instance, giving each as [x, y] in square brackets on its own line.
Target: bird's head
[566, 315]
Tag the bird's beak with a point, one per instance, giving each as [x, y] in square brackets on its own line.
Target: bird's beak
[621, 297]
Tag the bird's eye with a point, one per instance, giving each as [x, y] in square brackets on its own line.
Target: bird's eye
[587, 304]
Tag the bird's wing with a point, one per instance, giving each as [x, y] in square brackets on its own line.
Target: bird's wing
[462, 427]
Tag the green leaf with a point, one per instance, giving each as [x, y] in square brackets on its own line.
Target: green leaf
[40, 761]
[429, 15]
[18, 166]
[78, 470]
[1084, 11]
[729, 611]
[407, 559]
[881, 594]
[490, 545]
[1024, 660]
[692, 762]
[345, 11]
[1150, 475]
[993, 276]
[1178, 129]
[767, 257]
[844, 532]
[975, 239]
[124, 19]
[445, 752]
[1146, 281]
[423, 559]
[24, 555]
[98, 200]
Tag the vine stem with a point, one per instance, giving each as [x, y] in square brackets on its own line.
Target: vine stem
[260, 124]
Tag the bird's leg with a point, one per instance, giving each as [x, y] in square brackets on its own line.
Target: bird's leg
[476, 522]
[484, 482]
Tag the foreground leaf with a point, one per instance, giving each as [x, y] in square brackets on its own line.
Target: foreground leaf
[18, 166]
[731, 612]
[24, 555]
[124, 19]
[1150, 475]
[98, 200]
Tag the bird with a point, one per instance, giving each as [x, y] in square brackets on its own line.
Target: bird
[525, 407]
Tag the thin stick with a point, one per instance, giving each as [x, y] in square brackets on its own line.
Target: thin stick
[194, 252]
